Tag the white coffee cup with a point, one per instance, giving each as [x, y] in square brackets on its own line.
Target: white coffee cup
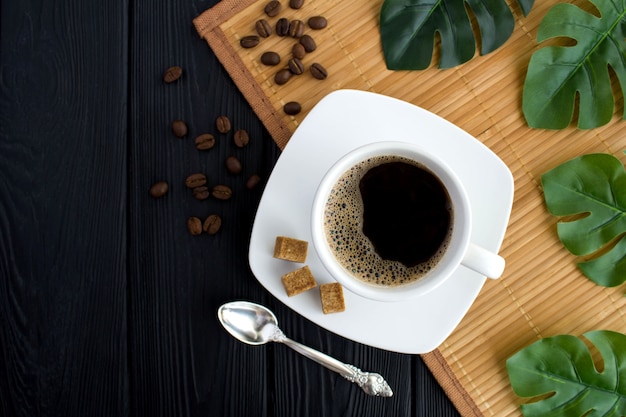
[459, 252]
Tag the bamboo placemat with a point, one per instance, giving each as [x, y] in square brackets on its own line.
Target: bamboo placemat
[542, 293]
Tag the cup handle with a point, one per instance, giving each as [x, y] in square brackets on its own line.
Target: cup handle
[483, 261]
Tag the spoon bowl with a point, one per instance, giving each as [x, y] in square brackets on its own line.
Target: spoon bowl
[247, 322]
[255, 324]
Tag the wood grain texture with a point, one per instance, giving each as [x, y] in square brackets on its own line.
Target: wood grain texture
[62, 209]
[181, 361]
[107, 303]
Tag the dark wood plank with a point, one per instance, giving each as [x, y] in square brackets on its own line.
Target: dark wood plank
[182, 362]
[63, 348]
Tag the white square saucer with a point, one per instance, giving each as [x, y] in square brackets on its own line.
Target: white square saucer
[342, 121]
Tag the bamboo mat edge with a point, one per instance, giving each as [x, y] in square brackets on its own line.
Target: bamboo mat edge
[208, 26]
[459, 396]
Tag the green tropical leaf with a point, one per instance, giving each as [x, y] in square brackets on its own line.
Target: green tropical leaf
[562, 368]
[408, 27]
[557, 74]
[594, 186]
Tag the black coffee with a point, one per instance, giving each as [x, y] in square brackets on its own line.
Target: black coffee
[388, 220]
[406, 212]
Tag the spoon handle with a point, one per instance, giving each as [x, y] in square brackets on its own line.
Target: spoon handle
[371, 383]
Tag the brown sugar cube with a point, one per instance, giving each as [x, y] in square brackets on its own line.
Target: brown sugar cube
[298, 281]
[332, 298]
[290, 249]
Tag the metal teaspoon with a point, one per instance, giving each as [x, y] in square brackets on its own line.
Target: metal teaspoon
[256, 325]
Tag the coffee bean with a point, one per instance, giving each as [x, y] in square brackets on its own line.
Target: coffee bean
[296, 66]
[298, 51]
[296, 4]
[194, 225]
[159, 189]
[263, 28]
[172, 74]
[222, 192]
[317, 22]
[205, 141]
[195, 180]
[212, 224]
[272, 8]
[308, 43]
[241, 138]
[253, 181]
[201, 193]
[179, 128]
[282, 27]
[296, 28]
[233, 165]
[223, 124]
[249, 41]
[291, 108]
[282, 76]
[318, 71]
[270, 58]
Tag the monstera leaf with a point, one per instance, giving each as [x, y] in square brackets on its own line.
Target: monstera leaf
[557, 74]
[408, 27]
[562, 368]
[595, 186]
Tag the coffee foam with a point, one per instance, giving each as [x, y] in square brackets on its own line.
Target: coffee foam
[343, 227]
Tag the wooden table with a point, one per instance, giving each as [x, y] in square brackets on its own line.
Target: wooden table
[107, 302]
